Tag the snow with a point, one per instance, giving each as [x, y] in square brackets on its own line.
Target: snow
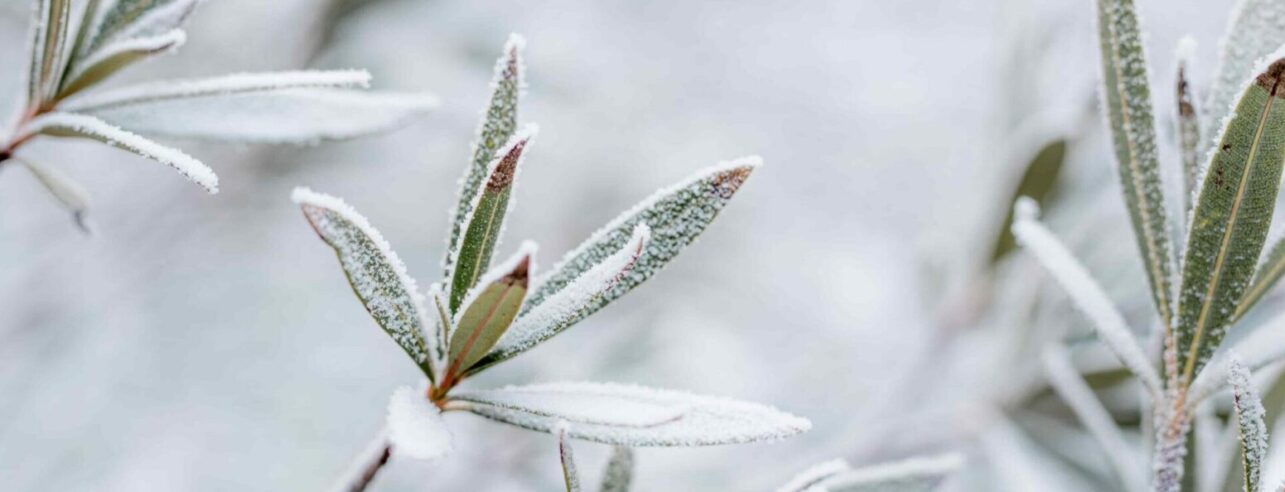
[677, 214]
[1087, 295]
[569, 471]
[631, 415]
[224, 85]
[1249, 416]
[567, 306]
[88, 126]
[415, 426]
[376, 273]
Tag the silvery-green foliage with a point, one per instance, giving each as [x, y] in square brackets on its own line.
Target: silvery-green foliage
[1249, 417]
[483, 314]
[918, 474]
[619, 474]
[77, 45]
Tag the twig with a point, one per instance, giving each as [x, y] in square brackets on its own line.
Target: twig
[366, 465]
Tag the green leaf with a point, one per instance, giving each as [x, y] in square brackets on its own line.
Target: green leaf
[1230, 219]
[49, 56]
[1188, 120]
[116, 56]
[1038, 182]
[676, 215]
[1254, 32]
[69, 193]
[1249, 419]
[486, 221]
[489, 313]
[1127, 97]
[1264, 278]
[570, 474]
[497, 128]
[620, 470]
[374, 271]
[126, 19]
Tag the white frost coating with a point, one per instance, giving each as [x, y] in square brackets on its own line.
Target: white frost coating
[814, 475]
[164, 42]
[293, 116]
[415, 426]
[88, 126]
[365, 270]
[1086, 294]
[1185, 52]
[1077, 394]
[551, 316]
[631, 415]
[569, 471]
[527, 249]
[1254, 29]
[1249, 416]
[920, 473]
[225, 85]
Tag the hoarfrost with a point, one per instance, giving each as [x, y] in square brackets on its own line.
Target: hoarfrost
[415, 426]
[1249, 416]
[69, 124]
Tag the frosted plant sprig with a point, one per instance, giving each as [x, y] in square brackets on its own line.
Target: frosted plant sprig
[484, 312]
[77, 45]
[1233, 191]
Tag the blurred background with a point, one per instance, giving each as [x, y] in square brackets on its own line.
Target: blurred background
[204, 342]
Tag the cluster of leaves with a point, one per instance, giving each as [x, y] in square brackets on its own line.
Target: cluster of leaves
[76, 45]
[1231, 161]
[484, 312]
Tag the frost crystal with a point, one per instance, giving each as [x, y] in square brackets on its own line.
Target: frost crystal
[633, 415]
[377, 275]
[67, 124]
[415, 426]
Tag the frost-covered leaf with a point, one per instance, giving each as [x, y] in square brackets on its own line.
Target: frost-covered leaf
[213, 87]
[570, 474]
[620, 470]
[376, 274]
[570, 304]
[415, 426]
[1188, 120]
[486, 220]
[1084, 292]
[116, 56]
[1249, 418]
[1077, 394]
[497, 127]
[267, 115]
[1126, 96]
[1257, 28]
[676, 215]
[1231, 218]
[1265, 277]
[920, 474]
[1038, 181]
[69, 193]
[489, 312]
[630, 415]
[127, 19]
[49, 48]
[83, 126]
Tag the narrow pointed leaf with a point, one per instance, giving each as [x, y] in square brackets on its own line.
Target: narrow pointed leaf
[920, 474]
[496, 129]
[812, 477]
[213, 87]
[1086, 406]
[629, 415]
[126, 19]
[489, 312]
[1126, 96]
[1231, 218]
[1257, 28]
[620, 470]
[51, 46]
[570, 474]
[116, 56]
[83, 126]
[486, 221]
[1190, 145]
[1265, 277]
[1249, 418]
[677, 215]
[69, 193]
[570, 304]
[1038, 182]
[377, 275]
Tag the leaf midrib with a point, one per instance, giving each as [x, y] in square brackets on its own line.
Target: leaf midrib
[1226, 240]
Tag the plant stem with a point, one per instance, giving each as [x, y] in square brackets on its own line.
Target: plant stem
[366, 465]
